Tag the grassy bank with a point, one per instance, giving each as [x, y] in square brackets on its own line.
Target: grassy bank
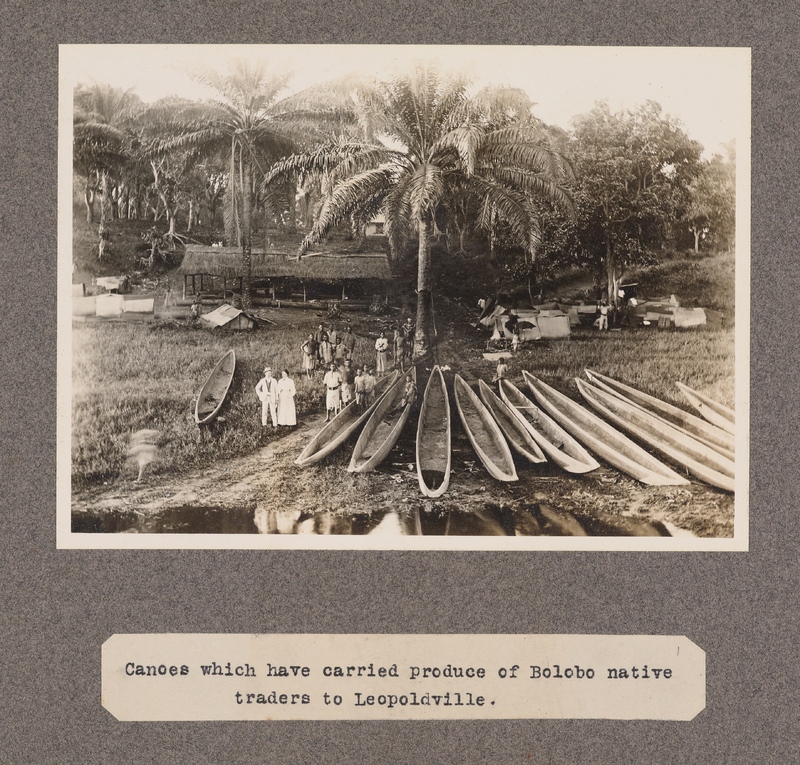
[128, 377]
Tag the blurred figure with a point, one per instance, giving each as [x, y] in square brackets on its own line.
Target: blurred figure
[144, 449]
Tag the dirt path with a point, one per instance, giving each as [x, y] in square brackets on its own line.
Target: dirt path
[231, 483]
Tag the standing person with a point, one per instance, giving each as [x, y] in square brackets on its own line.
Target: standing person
[333, 335]
[287, 414]
[267, 392]
[358, 382]
[603, 321]
[325, 352]
[408, 333]
[309, 348]
[515, 340]
[502, 371]
[409, 393]
[381, 346]
[321, 334]
[349, 341]
[348, 379]
[333, 393]
[168, 297]
[399, 343]
[369, 387]
[196, 307]
[339, 352]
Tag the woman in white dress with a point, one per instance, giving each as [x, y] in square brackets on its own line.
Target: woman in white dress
[286, 393]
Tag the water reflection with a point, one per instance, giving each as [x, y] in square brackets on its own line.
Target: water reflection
[414, 520]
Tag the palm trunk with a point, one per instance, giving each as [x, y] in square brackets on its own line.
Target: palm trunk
[105, 211]
[88, 200]
[423, 345]
[247, 254]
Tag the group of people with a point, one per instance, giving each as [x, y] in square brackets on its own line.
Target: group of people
[346, 385]
[322, 348]
[277, 399]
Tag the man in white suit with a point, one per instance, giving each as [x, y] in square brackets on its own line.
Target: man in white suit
[267, 392]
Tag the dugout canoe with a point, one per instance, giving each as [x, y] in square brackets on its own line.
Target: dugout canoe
[484, 433]
[383, 428]
[716, 413]
[605, 441]
[515, 431]
[433, 437]
[341, 427]
[697, 427]
[700, 460]
[555, 442]
[215, 389]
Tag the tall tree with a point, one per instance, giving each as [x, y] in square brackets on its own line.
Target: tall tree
[101, 144]
[710, 214]
[433, 142]
[251, 126]
[634, 169]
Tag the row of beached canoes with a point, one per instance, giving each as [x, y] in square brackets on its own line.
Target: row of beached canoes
[558, 429]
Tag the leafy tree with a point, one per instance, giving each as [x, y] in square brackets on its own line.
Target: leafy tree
[434, 144]
[710, 214]
[102, 145]
[634, 171]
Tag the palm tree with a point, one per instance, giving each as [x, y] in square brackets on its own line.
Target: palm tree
[437, 144]
[102, 117]
[249, 125]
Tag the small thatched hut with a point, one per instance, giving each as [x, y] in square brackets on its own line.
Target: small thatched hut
[226, 263]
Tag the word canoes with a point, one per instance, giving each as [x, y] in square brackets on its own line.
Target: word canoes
[605, 441]
[695, 426]
[555, 442]
[484, 433]
[515, 430]
[383, 428]
[341, 427]
[716, 413]
[216, 387]
[700, 460]
[433, 437]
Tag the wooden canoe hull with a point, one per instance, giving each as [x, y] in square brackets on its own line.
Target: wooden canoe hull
[605, 441]
[215, 389]
[713, 411]
[515, 431]
[341, 427]
[564, 450]
[433, 436]
[695, 426]
[484, 433]
[700, 460]
[381, 432]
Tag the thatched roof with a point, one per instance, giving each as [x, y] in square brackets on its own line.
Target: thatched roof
[327, 266]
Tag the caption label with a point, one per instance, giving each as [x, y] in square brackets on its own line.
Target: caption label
[402, 677]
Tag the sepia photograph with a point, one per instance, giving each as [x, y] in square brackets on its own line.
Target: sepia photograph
[403, 297]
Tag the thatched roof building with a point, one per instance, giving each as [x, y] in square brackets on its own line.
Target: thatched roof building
[227, 262]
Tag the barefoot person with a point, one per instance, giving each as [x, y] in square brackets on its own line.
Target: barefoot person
[309, 348]
[358, 383]
[399, 343]
[502, 371]
[369, 387]
[348, 379]
[349, 341]
[381, 346]
[333, 392]
[287, 414]
[267, 392]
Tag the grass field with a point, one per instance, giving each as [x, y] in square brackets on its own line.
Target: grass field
[128, 377]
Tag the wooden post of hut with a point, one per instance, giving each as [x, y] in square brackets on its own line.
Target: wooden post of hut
[304, 291]
[344, 281]
[184, 286]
